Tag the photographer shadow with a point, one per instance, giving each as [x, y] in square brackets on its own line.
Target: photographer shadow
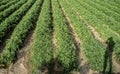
[108, 55]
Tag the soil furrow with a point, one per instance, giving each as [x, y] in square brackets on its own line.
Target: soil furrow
[54, 42]
[54, 67]
[53, 31]
[83, 64]
[23, 56]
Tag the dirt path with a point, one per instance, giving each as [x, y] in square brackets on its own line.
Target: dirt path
[99, 38]
[83, 64]
[21, 66]
[54, 68]
[53, 30]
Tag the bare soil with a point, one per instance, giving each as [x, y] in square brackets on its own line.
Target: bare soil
[21, 66]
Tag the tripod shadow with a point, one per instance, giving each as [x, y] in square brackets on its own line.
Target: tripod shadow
[108, 55]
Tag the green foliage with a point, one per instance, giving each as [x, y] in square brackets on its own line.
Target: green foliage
[21, 15]
[88, 43]
[66, 51]
[14, 19]
[42, 46]
[10, 10]
[110, 6]
[105, 32]
[100, 26]
[19, 34]
[3, 7]
[106, 15]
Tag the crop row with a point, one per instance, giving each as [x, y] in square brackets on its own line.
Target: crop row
[104, 31]
[3, 7]
[19, 35]
[11, 9]
[88, 43]
[108, 20]
[66, 50]
[42, 46]
[14, 19]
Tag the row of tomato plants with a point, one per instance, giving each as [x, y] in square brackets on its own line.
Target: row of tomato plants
[19, 34]
[89, 44]
[3, 7]
[104, 31]
[103, 16]
[14, 19]
[66, 50]
[11, 9]
[42, 45]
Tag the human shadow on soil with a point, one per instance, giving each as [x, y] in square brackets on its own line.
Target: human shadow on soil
[84, 69]
[56, 67]
[53, 67]
[108, 56]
